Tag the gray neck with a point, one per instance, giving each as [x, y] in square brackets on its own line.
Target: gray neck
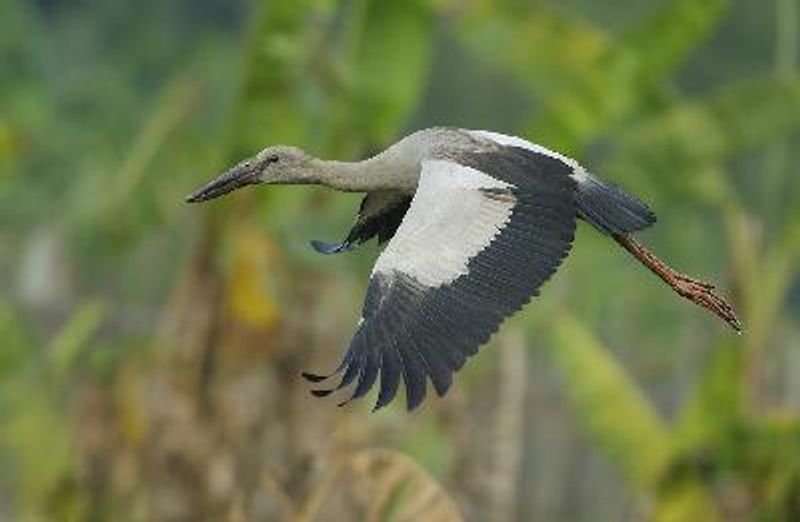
[397, 168]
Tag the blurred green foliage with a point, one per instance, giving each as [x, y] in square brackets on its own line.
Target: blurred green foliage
[128, 321]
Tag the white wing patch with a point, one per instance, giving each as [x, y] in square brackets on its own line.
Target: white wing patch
[579, 173]
[449, 222]
[481, 235]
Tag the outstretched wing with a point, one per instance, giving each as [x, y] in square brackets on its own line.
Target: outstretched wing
[483, 232]
[379, 215]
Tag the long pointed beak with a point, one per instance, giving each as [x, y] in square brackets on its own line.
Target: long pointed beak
[243, 174]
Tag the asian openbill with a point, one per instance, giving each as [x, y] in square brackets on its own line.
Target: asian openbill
[475, 222]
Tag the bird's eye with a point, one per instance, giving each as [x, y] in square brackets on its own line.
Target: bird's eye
[273, 158]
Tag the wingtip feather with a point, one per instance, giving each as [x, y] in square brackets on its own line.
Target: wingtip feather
[313, 377]
[330, 248]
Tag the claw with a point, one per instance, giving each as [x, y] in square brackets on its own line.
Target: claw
[702, 294]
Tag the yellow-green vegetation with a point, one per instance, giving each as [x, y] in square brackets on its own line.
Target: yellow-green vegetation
[150, 352]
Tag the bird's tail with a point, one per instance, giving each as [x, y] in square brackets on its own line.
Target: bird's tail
[610, 209]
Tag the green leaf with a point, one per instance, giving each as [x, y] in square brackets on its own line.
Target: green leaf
[715, 406]
[616, 414]
[629, 75]
[73, 336]
[269, 107]
[688, 500]
[542, 48]
[623, 423]
[393, 60]
[17, 346]
[35, 436]
[561, 59]
[698, 135]
[671, 34]
[332, 77]
[756, 112]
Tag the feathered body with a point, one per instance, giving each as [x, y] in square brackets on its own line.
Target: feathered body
[476, 222]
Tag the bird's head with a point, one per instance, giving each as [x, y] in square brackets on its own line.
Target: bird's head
[280, 164]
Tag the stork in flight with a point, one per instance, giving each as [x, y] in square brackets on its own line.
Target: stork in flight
[475, 222]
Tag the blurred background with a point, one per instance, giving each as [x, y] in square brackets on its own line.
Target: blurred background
[150, 350]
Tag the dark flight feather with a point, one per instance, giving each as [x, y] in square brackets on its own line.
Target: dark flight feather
[418, 333]
[379, 215]
[610, 209]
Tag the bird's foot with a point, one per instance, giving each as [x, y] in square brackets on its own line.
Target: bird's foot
[702, 293]
[696, 291]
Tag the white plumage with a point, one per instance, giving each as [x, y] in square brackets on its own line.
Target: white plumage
[448, 223]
